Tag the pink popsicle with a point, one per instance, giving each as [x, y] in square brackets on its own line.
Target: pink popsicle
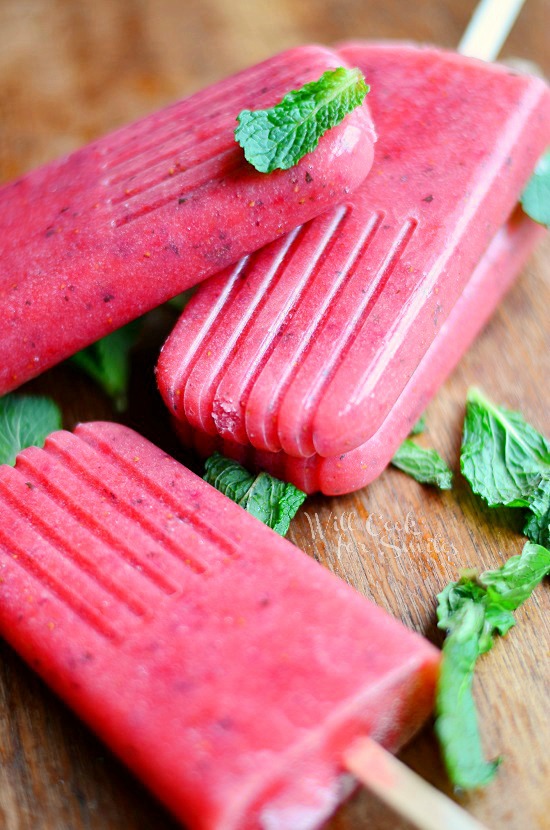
[93, 240]
[350, 471]
[306, 346]
[224, 666]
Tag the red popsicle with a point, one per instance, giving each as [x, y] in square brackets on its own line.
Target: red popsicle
[224, 666]
[93, 240]
[307, 345]
[350, 471]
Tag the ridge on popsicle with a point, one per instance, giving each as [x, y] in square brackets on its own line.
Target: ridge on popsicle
[93, 240]
[304, 362]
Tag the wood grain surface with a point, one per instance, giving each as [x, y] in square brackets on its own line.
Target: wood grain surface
[71, 70]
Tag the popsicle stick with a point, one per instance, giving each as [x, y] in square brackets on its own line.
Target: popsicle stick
[404, 791]
[488, 28]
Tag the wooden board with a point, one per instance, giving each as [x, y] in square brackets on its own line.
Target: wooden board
[71, 70]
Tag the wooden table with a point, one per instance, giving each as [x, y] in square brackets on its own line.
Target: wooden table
[71, 70]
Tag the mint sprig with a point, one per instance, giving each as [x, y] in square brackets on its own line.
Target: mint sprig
[25, 421]
[277, 138]
[107, 362]
[424, 465]
[507, 462]
[537, 527]
[474, 611]
[419, 427]
[270, 500]
[535, 199]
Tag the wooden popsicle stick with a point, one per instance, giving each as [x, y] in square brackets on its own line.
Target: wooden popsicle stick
[404, 791]
[488, 28]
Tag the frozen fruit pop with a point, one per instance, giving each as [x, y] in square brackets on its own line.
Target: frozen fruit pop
[93, 240]
[350, 471]
[224, 666]
[306, 346]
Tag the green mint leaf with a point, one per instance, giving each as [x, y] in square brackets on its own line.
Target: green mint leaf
[25, 421]
[456, 723]
[537, 528]
[279, 137]
[419, 427]
[507, 462]
[454, 596]
[512, 584]
[535, 199]
[426, 466]
[270, 500]
[473, 611]
[228, 477]
[107, 362]
[502, 456]
[498, 620]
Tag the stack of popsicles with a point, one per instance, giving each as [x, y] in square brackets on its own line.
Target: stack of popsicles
[314, 357]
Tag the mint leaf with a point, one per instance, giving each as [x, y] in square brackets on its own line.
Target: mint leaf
[426, 466]
[473, 611]
[456, 723]
[228, 477]
[107, 362]
[502, 456]
[279, 137]
[513, 583]
[535, 199]
[419, 427]
[507, 462]
[537, 528]
[25, 421]
[270, 500]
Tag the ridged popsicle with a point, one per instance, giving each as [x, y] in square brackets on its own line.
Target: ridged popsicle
[350, 471]
[93, 240]
[228, 669]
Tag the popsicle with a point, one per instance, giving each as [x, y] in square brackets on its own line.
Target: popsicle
[224, 666]
[306, 346]
[93, 240]
[492, 278]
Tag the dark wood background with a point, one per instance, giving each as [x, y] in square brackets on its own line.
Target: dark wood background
[71, 70]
